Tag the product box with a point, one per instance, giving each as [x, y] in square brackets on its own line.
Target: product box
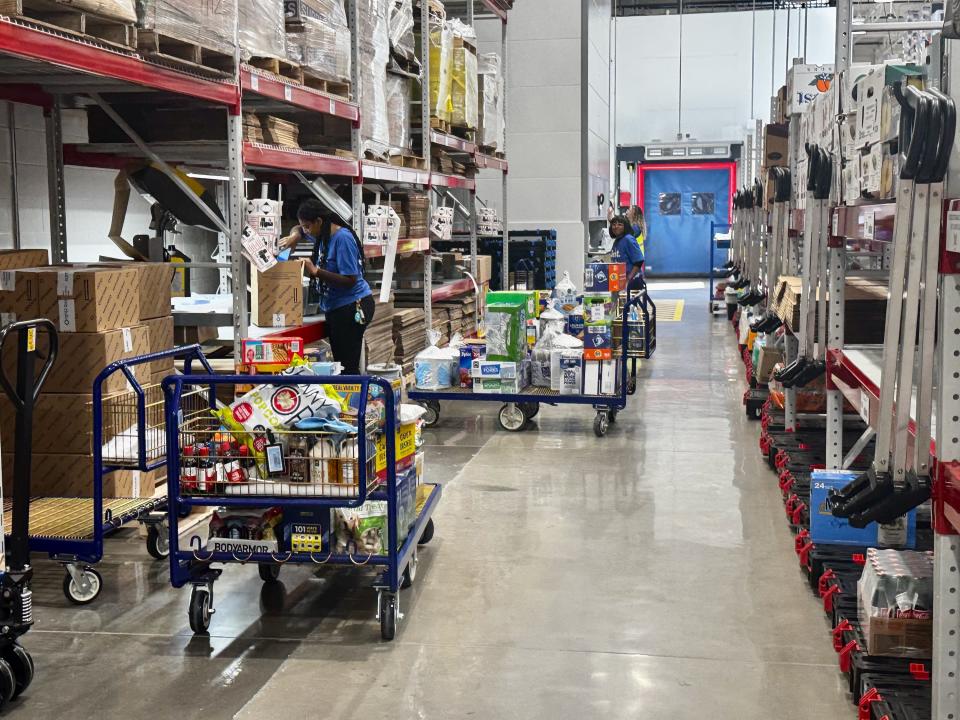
[598, 307]
[776, 146]
[83, 355]
[533, 332]
[600, 377]
[598, 336]
[825, 528]
[18, 259]
[506, 324]
[155, 282]
[530, 298]
[484, 268]
[605, 277]
[19, 295]
[160, 333]
[71, 475]
[571, 372]
[89, 300]
[767, 358]
[271, 354]
[469, 354]
[405, 447]
[804, 83]
[276, 298]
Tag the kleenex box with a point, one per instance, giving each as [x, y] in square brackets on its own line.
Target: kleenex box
[829, 530]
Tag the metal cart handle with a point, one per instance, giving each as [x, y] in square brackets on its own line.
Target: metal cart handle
[54, 341]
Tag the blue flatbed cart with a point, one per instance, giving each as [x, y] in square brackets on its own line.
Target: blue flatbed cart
[72, 529]
[639, 342]
[360, 468]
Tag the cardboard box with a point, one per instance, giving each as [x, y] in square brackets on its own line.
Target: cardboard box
[768, 357]
[89, 300]
[804, 83]
[71, 475]
[277, 295]
[484, 268]
[600, 377]
[160, 333]
[598, 336]
[19, 295]
[604, 277]
[155, 282]
[776, 146]
[825, 528]
[83, 355]
[17, 259]
[63, 423]
[899, 637]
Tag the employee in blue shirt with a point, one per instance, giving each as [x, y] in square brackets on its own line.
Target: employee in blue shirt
[625, 247]
[336, 268]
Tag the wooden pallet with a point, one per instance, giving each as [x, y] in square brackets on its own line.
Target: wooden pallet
[491, 151]
[283, 68]
[331, 87]
[441, 125]
[72, 21]
[408, 161]
[468, 134]
[163, 47]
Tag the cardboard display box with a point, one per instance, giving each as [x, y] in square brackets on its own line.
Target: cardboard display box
[768, 358]
[71, 475]
[89, 300]
[16, 259]
[277, 295]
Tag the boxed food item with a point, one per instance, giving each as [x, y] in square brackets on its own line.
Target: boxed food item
[276, 298]
[825, 528]
[506, 323]
[895, 596]
[469, 354]
[804, 83]
[17, 259]
[605, 277]
[93, 299]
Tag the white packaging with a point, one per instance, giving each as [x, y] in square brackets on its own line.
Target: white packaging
[869, 91]
[599, 377]
[571, 372]
[871, 169]
[804, 83]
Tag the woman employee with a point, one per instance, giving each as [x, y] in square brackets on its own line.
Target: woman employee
[625, 247]
[336, 267]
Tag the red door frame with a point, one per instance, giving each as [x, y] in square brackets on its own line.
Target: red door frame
[729, 166]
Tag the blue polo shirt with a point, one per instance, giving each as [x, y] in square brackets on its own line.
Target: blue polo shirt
[342, 257]
[626, 250]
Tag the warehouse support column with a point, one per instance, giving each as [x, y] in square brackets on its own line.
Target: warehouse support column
[55, 183]
[239, 269]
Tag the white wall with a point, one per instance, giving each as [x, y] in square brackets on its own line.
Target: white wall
[597, 95]
[717, 59]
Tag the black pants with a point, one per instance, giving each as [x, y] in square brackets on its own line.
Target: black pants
[346, 334]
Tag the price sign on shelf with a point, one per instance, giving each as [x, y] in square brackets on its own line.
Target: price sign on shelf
[865, 406]
[869, 218]
[254, 83]
[287, 93]
[836, 223]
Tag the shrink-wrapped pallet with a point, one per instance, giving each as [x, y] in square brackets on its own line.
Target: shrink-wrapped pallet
[463, 77]
[208, 23]
[491, 130]
[402, 41]
[123, 10]
[262, 31]
[374, 56]
[441, 64]
[398, 112]
[321, 42]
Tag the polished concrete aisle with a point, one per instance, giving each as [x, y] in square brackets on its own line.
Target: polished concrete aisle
[649, 574]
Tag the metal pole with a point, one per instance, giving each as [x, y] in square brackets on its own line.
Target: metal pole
[773, 54]
[505, 268]
[806, 26]
[425, 134]
[753, 58]
[55, 184]
[356, 197]
[680, 76]
[786, 44]
[14, 184]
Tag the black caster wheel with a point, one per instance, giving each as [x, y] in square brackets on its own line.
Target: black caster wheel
[601, 424]
[530, 409]
[389, 616]
[200, 610]
[84, 592]
[8, 682]
[21, 663]
[427, 535]
[631, 386]
[410, 572]
[613, 416]
[269, 572]
[158, 543]
[432, 416]
[512, 417]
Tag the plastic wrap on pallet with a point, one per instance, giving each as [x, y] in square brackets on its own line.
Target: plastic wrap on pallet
[895, 597]
[374, 57]
[124, 10]
[262, 30]
[463, 77]
[402, 41]
[398, 111]
[441, 65]
[491, 124]
[209, 24]
[322, 45]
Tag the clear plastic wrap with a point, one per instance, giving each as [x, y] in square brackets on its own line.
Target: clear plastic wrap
[262, 32]
[491, 124]
[463, 77]
[124, 10]
[207, 23]
[374, 56]
[402, 41]
[441, 65]
[398, 111]
[895, 595]
[322, 46]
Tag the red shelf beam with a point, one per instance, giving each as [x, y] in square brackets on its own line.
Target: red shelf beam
[272, 156]
[271, 86]
[452, 290]
[406, 245]
[452, 142]
[491, 162]
[452, 181]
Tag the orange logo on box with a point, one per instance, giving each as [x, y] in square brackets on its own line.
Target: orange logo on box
[598, 354]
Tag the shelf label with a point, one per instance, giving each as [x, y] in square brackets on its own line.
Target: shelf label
[953, 231]
[287, 93]
[8, 281]
[68, 315]
[254, 83]
[869, 217]
[865, 406]
[64, 284]
[333, 107]
[836, 223]
[127, 339]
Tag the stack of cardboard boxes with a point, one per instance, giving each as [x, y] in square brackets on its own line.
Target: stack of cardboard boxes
[103, 313]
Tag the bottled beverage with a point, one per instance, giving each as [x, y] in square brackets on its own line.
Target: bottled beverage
[188, 469]
[232, 470]
[206, 471]
[298, 452]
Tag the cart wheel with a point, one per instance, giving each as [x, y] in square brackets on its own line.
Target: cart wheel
[389, 615]
[200, 610]
[410, 572]
[613, 415]
[87, 591]
[601, 423]
[631, 386]
[432, 416]
[21, 663]
[158, 543]
[512, 417]
[427, 534]
[269, 572]
[8, 682]
[530, 409]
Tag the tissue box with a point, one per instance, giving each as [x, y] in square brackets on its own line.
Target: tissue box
[506, 326]
[825, 528]
[605, 277]
[469, 354]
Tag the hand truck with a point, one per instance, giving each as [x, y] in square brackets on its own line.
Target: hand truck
[16, 598]
[343, 473]
[128, 436]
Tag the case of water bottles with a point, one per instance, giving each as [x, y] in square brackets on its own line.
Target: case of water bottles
[895, 595]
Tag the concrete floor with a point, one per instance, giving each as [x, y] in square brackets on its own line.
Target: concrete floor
[649, 574]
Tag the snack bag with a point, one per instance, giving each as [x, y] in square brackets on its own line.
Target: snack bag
[363, 530]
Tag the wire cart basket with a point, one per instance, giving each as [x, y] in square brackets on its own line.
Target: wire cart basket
[334, 495]
[128, 436]
[519, 408]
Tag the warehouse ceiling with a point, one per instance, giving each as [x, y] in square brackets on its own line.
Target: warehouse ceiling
[674, 7]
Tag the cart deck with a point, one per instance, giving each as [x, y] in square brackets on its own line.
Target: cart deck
[528, 394]
[72, 518]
